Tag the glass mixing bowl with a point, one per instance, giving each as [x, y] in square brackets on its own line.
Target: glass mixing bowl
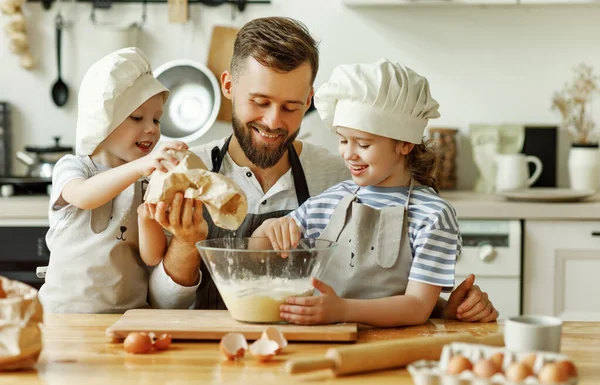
[253, 279]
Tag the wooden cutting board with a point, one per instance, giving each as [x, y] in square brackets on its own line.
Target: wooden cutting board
[214, 324]
[219, 60]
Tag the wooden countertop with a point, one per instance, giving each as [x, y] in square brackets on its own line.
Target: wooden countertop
[77, 351]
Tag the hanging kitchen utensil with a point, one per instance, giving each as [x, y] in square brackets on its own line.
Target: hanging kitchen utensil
[177, 11]
[219, 60]
[60, 91]
[107, 4]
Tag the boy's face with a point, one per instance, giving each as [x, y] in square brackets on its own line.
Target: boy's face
[137, 135]
[268, 108]
[374, 160]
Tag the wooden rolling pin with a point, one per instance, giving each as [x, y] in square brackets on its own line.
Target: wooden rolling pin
[387, 354]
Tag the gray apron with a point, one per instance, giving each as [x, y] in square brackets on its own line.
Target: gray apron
[373, 257]
[207, 296]
[95, 265]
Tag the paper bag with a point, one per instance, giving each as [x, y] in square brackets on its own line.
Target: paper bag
[225, 201]
[20, 317]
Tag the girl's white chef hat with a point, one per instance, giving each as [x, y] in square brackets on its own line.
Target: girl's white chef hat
[384, 98]
[110, 91]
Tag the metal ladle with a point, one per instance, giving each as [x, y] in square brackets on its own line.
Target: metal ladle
[60, 91]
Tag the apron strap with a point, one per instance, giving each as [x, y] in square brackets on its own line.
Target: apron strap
[300, 185]
[337, 222]
[218, 154]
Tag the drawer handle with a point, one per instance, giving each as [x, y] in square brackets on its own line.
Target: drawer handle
[595, 233]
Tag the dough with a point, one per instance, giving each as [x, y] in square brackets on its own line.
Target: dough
[225, 201]
[258, 300]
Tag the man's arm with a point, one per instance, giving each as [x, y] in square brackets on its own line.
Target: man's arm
[173, 283]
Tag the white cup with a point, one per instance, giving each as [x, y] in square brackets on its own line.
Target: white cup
[533, 333]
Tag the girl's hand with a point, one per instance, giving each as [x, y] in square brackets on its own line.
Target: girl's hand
[147, 164]
[326, 308]
[283, 233]
[146, 211]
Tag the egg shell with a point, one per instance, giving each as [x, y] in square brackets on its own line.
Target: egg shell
[274, 334]
[264, 349]
[569, 367]
[233, 345]
[137, 343]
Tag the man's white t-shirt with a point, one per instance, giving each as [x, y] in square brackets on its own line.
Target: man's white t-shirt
[322, 170]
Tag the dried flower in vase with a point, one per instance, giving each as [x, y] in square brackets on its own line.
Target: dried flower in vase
[574, 104]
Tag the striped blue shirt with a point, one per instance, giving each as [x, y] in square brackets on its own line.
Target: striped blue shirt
[433, 230]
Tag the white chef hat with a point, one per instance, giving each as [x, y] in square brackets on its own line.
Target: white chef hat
[110, 91]
[384, 98]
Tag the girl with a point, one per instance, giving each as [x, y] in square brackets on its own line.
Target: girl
[95, 265]
[397, 239]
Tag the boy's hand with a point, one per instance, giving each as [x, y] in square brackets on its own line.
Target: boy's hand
[326, 308]
[283, 233]
[147, 164]
[146, 211]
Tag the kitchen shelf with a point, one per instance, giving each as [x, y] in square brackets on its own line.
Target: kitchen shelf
[424, 3]
[240, 4]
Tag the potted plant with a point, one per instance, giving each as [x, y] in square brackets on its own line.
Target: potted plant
[573, 103]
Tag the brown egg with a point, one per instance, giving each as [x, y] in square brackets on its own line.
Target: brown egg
[485, 369]
[529, 360]
[2, 292]
[553, 374]
[163, 342]
[137, 343]
[518, 372]
[497, 359]
[458, 364]
[569, 367]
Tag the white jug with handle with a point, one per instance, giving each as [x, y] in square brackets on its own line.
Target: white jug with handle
[512, 171]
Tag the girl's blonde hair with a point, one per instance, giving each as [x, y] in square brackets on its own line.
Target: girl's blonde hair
[422, 164]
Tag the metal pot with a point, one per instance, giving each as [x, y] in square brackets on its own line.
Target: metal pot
[41, 163]
[195, 99]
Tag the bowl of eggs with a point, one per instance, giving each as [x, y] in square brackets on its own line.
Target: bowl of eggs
[462, 363]
[254, 279]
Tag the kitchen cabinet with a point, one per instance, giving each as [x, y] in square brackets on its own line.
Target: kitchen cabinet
[562, 269]
[371, 3]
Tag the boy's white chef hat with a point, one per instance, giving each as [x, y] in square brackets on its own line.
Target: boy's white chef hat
[110, 91]
[384, 98]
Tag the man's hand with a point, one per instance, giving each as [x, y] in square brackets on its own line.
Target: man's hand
[184, 219]
[468, 303]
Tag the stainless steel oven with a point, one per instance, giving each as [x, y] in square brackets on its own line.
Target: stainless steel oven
[23, 249]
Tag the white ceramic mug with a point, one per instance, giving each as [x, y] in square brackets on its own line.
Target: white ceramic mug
[512, 171]
[533, 333]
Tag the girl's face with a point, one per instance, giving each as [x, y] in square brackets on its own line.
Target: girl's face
[136, 136]
[374, 160]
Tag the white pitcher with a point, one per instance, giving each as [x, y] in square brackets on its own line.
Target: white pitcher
[512, 172]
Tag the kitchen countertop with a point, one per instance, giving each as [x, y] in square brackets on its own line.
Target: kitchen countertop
[468, 205]
[471, 205]
[77, 351]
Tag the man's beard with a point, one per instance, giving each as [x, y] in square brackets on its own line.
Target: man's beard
[263, 156]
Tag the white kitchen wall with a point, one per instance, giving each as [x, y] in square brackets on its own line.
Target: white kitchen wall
[485, 65]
